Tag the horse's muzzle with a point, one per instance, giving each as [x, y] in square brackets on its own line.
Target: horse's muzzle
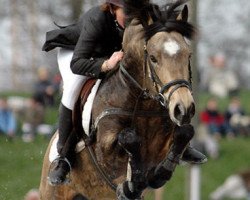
[183, 115]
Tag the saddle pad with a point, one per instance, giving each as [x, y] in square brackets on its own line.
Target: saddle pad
[53, 154]
[86, 114]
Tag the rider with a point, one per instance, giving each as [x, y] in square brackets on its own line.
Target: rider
[97, 43]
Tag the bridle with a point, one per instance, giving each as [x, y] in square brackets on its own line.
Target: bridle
[158, 96]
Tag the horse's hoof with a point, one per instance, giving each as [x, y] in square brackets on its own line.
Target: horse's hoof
[193, 156]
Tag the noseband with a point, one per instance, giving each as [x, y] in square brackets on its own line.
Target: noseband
[159, 96]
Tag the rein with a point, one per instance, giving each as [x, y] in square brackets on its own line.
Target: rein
[99, 169]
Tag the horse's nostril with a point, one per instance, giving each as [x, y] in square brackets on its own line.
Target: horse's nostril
[178, 112]
[191, 110]
[181, 115]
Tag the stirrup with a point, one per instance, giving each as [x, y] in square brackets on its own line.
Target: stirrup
[55, 163]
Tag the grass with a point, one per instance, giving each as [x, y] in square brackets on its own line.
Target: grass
[21, 168]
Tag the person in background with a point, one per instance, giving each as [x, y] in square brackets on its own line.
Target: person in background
[33, 194]
[234, 112]
[213, 119]
[7, 119]
[236, 186]
[33, 116]
[220, 79]
[44, 88]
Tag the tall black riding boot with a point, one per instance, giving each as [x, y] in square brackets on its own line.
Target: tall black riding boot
[65, 126]
[62, 164]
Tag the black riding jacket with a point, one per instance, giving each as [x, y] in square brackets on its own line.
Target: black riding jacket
[94, 39]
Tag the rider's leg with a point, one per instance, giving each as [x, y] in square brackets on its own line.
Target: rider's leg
[71, 88]
[65, 161]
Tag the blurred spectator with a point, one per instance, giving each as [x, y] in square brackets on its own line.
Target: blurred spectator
[236, 186]
[206, 142]
[44, 88]
[213, 119]
[57, 82]
[33, 120]
[33, 194]
[220, 80]
[7, 119]
[233, 115]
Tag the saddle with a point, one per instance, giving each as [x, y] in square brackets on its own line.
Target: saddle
[86, 89]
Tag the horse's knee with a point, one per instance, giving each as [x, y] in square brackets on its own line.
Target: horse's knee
[129, 140]
[183, 133]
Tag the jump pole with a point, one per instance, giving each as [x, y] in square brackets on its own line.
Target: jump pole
[194, 171]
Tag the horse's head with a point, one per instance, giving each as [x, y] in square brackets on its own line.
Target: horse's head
[158, 39]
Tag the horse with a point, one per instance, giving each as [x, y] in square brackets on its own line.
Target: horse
[141, 114]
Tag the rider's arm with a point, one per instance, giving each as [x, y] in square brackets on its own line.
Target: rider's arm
[89, 55]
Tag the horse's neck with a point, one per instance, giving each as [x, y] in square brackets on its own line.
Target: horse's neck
[112, 92]
[124, 94]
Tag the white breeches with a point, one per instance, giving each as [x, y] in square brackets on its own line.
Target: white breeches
[72, 83]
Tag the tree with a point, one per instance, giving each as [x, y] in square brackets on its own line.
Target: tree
[76, 6]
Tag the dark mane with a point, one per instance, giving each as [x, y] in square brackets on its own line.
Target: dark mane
[164, 18]
[137, 9]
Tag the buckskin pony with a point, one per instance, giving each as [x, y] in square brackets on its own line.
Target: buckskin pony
[142, 111]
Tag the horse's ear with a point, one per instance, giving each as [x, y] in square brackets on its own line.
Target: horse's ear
[183, 14]
[147, 22]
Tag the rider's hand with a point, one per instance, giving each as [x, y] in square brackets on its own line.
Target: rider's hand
[111, 63]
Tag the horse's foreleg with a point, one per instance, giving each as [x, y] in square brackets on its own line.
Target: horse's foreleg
[163, 172]
[136, 183]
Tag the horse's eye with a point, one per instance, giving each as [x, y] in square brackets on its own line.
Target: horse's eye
[153, 59]
[190, 56]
